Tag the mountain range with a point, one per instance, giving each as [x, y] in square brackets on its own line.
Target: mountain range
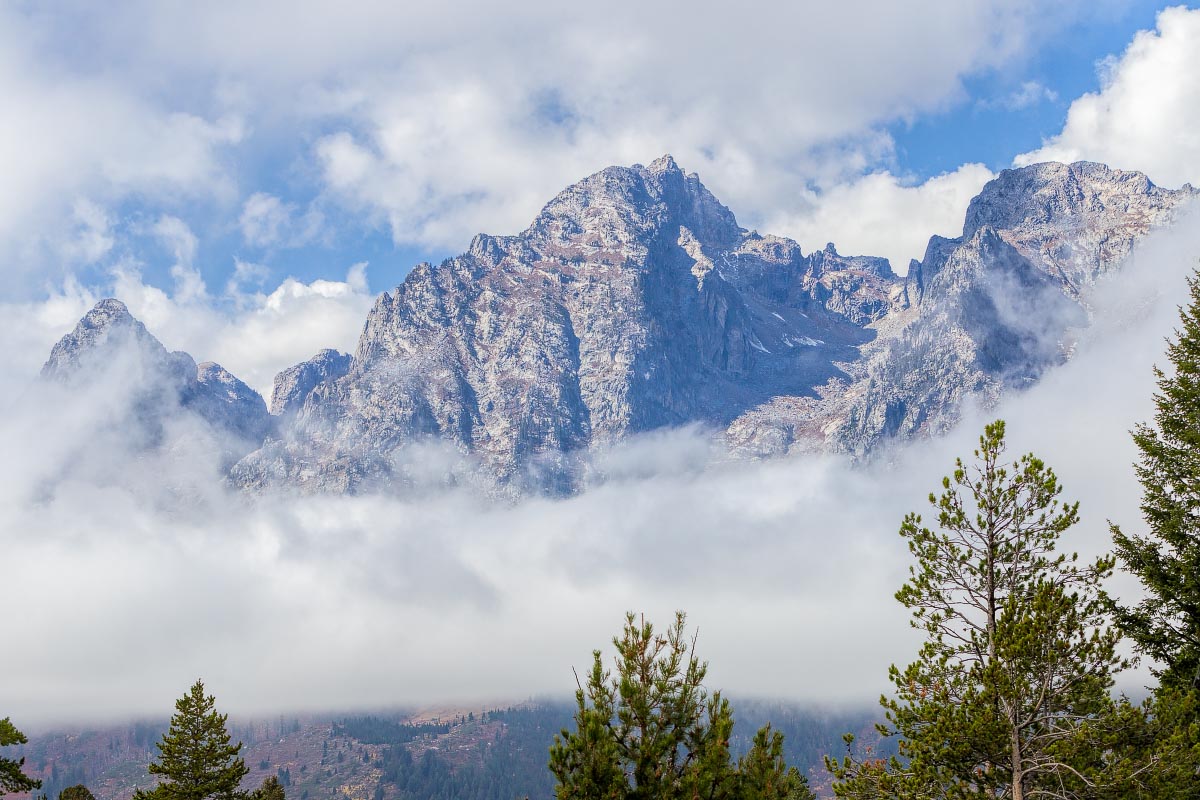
[635, 302]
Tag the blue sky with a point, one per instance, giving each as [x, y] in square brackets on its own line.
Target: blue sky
[1067, 65]
[1001, 111]
[982, 125]
[225, 168]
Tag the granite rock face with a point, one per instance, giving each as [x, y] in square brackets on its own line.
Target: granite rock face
[984, 313]
[634, 301]
[295, 384]
[109, 348]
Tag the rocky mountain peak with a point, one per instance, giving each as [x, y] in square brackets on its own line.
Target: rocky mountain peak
[107, 311]
[634, 301]
[296, 383]
[1046, 193]
[1075, 220]
[106, 326]
[110, 346]
[618, 205]
[664, 163]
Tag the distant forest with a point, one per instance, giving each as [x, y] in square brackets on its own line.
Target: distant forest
[515, 764]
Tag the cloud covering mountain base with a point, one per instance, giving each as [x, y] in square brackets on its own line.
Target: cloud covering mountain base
[131, 572]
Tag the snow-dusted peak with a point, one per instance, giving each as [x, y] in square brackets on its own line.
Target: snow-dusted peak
[110, 348]
[615, 206]
[1050, 192]
[106, 327]
[664, 163]
[1077, 220]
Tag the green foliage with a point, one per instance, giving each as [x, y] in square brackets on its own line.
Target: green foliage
[763, 773]
[1009, 696]
[76, 792]
[374, 730]
[197, 760]
[271, 789]
[653, 732]
[513, 764]
[12, 779]
[1166, 625]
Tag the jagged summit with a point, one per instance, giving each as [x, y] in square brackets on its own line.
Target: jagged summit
[664, 163]
[110, 346]
[618, 204]
[1077, 219]
[635, 301]
[109, 309]
[294, 384]
[107, 324]
[1047, 193]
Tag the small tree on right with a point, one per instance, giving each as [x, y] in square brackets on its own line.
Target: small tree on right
[1010, 694]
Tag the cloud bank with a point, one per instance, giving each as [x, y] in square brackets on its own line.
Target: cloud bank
[135, 573]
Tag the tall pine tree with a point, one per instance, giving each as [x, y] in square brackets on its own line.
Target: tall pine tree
[197, 759]
[1009, 697]
[1166, 558]
[1166, 624]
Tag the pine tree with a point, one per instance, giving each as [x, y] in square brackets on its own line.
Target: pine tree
[1166, 625]
[653, 732]
[762, 773]
[196, 757]
[1009, 697]
[12, 779]
[271, 789]
[76, 792]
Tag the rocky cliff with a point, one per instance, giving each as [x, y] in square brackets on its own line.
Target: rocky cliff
[109, 346]
[635, 301]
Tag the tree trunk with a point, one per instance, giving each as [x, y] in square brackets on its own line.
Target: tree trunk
[1018, 774]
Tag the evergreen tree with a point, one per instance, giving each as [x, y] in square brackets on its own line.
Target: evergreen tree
[271, 789]
[762, 773]
[1166, 625]
[653, 732]
[1009, 697]
[196, 757]
[76, 792]
[12, 779]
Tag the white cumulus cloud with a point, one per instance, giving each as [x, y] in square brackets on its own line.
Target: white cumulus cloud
[881, 216]
[1146, 116]
[253, 334]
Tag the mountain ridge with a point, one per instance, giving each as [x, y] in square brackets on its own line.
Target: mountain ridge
[635, 301]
